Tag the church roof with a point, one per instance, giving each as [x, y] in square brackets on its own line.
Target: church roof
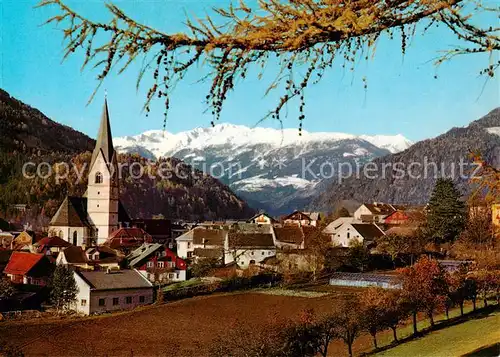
[71, 213]
[104, 141]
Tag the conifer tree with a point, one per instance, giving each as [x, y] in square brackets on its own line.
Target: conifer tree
[446, 213]
[64, 287]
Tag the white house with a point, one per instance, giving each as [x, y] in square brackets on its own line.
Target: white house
[373, 212]
[262, 218]
[332, 227]
[364, 233]
[206, 239]
[101, 291]
[248, 248]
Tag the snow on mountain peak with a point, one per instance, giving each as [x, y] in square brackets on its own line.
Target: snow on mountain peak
[162, 143]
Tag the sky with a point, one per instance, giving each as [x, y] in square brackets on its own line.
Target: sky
[403, 97]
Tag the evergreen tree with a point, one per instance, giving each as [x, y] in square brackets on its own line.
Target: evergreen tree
[446, 215]
[64, 287]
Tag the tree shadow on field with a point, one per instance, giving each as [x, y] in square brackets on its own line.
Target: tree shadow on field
[479, 314]
[485, 351]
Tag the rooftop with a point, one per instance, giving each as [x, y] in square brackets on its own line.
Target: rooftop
[122, 279]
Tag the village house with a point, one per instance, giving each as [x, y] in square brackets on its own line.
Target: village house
[157, 263]
[407, 216]
[373, 212]
[365, 233]
[28, 268]
[102, 291]
[127, 239]
[6, 240]
[51, 245]
[262, 218]
[332, 227]
[24, 241]
[205, 241]
[289, 237]
[103, 257]
[303, 218]
[247, 249]
[75, 257]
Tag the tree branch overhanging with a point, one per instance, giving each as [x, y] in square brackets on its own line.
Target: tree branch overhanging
[301, 34]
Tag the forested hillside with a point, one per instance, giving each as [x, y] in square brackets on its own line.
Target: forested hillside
[447, 151]
[27, 135]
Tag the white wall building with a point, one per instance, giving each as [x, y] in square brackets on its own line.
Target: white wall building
[92, 218]
[348, 233]
[101, 291]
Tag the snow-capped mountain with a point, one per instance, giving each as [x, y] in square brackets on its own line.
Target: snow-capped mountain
[277, 170]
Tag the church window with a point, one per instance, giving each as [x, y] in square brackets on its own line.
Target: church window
[98, 177]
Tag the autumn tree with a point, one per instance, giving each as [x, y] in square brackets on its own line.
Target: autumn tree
[305, 38]
[446, 215]
[373, 312]
[423, 288]
[396, 310]
[348, 321]
[458, 287]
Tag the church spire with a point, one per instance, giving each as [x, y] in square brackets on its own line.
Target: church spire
[104, 141]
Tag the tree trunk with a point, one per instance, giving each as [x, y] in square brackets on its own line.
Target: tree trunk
[394, 333]
[415, 330]
[374, 335]
[474, 304]
[349, 348]
[447, 312]
[485, 302]
[431, 319]
[461, 308]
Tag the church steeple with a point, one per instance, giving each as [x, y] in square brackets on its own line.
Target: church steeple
[104, 141]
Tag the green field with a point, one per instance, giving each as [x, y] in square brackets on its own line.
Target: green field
[455, 340]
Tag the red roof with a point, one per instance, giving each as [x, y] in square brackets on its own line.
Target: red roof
[128, 237]
[20, 263]
[54, 241]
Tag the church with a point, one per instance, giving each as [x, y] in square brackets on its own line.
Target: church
[89, 220]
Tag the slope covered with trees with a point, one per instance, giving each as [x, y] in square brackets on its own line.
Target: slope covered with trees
[29, 136]
[446, 151]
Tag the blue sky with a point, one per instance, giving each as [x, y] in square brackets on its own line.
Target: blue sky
[402, 97]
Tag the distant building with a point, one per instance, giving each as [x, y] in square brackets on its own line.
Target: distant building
[91, 219]
[373, 212]
[332, 227]
[201, 238]
[303, 218]
[74, 256]
[157, 263]
[362, 232]
[126, 240]
[28, 268]
[101, 291]
[51, 245]
[247, 249]
[262, 218]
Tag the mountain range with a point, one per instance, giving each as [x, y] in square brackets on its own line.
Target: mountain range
[448, 155]
[274, 170]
